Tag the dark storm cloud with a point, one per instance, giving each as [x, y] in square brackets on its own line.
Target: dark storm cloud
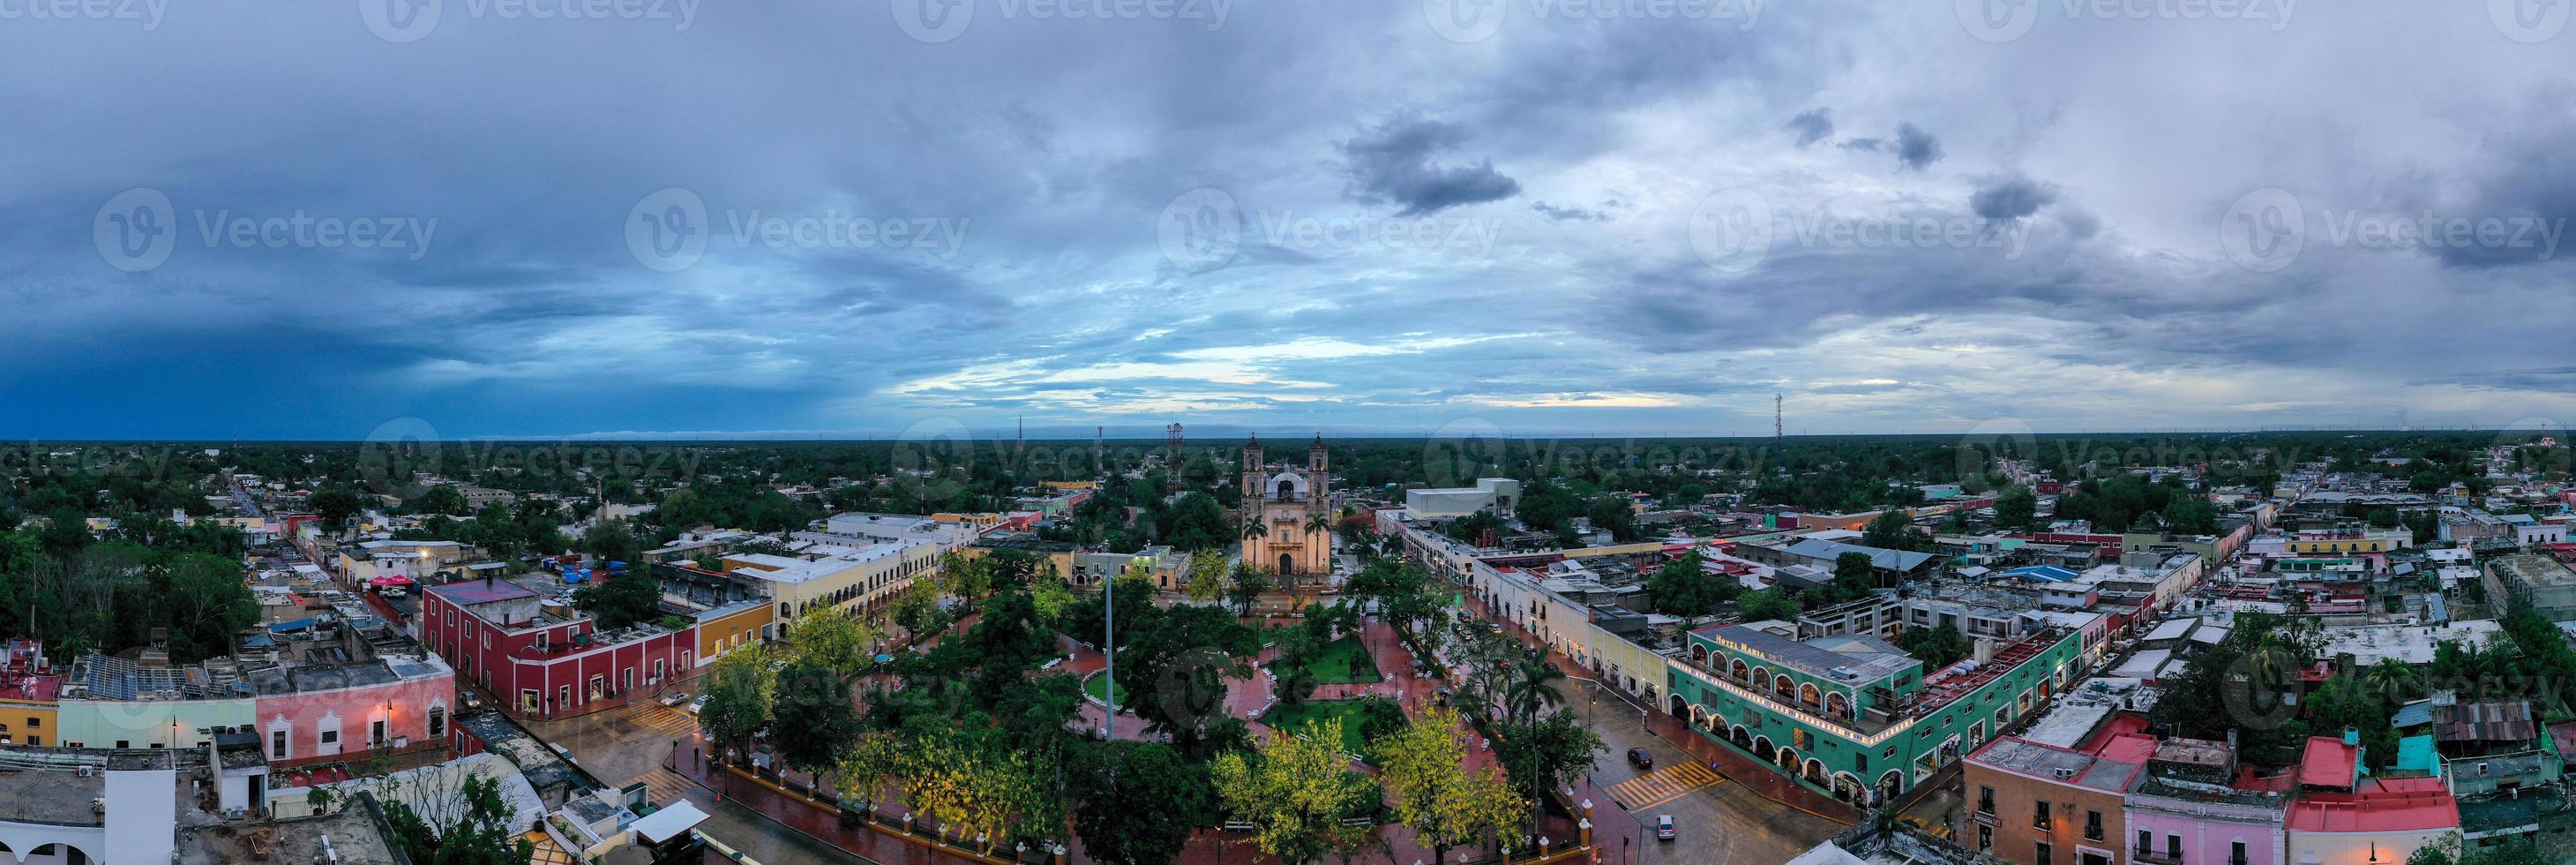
[2011, 197]
[1916, 148]
[1568, 213]
[1394, 163]
[1065, 145]
[1811, 126]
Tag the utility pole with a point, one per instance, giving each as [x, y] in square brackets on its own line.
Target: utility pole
[1109, 648]
[1777, 437]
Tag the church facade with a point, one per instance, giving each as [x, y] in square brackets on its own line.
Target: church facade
[1287, 515]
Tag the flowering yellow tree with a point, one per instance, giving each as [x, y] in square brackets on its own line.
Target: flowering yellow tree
[1296, 793]
[1424, 771]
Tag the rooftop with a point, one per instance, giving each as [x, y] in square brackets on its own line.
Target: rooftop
[2379, 805]
[1843, 659]
[32, 792]
[356, 835]
[2535, 569]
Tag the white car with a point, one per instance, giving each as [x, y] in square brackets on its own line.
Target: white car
[699, 703]
[674, 698]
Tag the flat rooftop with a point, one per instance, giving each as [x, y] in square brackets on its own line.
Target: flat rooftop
[2536, 569]
[356, 835]
[50, 795]
[2412, 644]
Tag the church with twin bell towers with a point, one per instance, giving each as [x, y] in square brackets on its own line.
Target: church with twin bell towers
[1287, 515]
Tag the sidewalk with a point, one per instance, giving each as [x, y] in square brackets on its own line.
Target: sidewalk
[1734, 765]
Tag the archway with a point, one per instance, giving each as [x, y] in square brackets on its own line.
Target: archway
[1287, 564]
[1286, 489]
[1762, 748]
[1782, 686]
[1741, 737]
[1810, 695]
[1814, 770]
[1680, 707]
[1787, 759]
[1699, 654]
[1837, 705]
[1737, 669]
[1847, 786]
[1890, 784]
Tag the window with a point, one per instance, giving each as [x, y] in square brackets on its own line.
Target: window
[528, 700]
[2092, 825]
[2146, 843]
[122, 743]
[33, 739]
[330, 737]
[2039, 816]
[2042, 857]
[35, 723]
[437, 721]
[2173, 847]
[85, 745]
[277, 744]
[1985, 800]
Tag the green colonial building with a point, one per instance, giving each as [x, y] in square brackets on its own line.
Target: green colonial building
[1854, 716]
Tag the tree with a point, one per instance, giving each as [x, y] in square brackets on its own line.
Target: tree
[464, 824]
[2017, 508]
[1683, 587]
[1424, 770]
[812, 715]
[1109, 781]
[1548, 754]
[624, 600]
[1207, 581]
[1937, 647]
[1892, 530]
[2384, 518]
[1531, 687]
[1766, 605]
[1854, 576]
[843, 645]
[1295, 792]
[335, 505]
[739, 692]
[1249, 582]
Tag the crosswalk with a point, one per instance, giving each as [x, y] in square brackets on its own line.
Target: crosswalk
[662, 719]
[1663, 785]
[662, 786]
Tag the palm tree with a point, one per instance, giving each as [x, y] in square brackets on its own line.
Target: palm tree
[2392, 679]
[1529, 691]
[2272, 660]
[1254, 527]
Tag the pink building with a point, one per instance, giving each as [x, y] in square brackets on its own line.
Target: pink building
[318, 712]
[2190, 805]
[541, 658]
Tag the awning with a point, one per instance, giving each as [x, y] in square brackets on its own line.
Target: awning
[674, 820]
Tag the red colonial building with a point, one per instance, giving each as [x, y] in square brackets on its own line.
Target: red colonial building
[539, 657]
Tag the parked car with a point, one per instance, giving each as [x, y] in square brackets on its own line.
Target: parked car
[1639, 758]
[699, 703]
[1664, 827]
[675, 698]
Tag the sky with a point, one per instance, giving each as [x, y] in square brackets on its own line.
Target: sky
[627, 218]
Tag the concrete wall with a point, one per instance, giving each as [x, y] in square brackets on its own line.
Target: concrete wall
[145, 723]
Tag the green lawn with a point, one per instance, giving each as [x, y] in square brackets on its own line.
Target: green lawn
[1293, 719]
[1333, 665]
[1098, 687]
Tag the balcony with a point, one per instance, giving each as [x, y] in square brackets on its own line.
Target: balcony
[2150, 857]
